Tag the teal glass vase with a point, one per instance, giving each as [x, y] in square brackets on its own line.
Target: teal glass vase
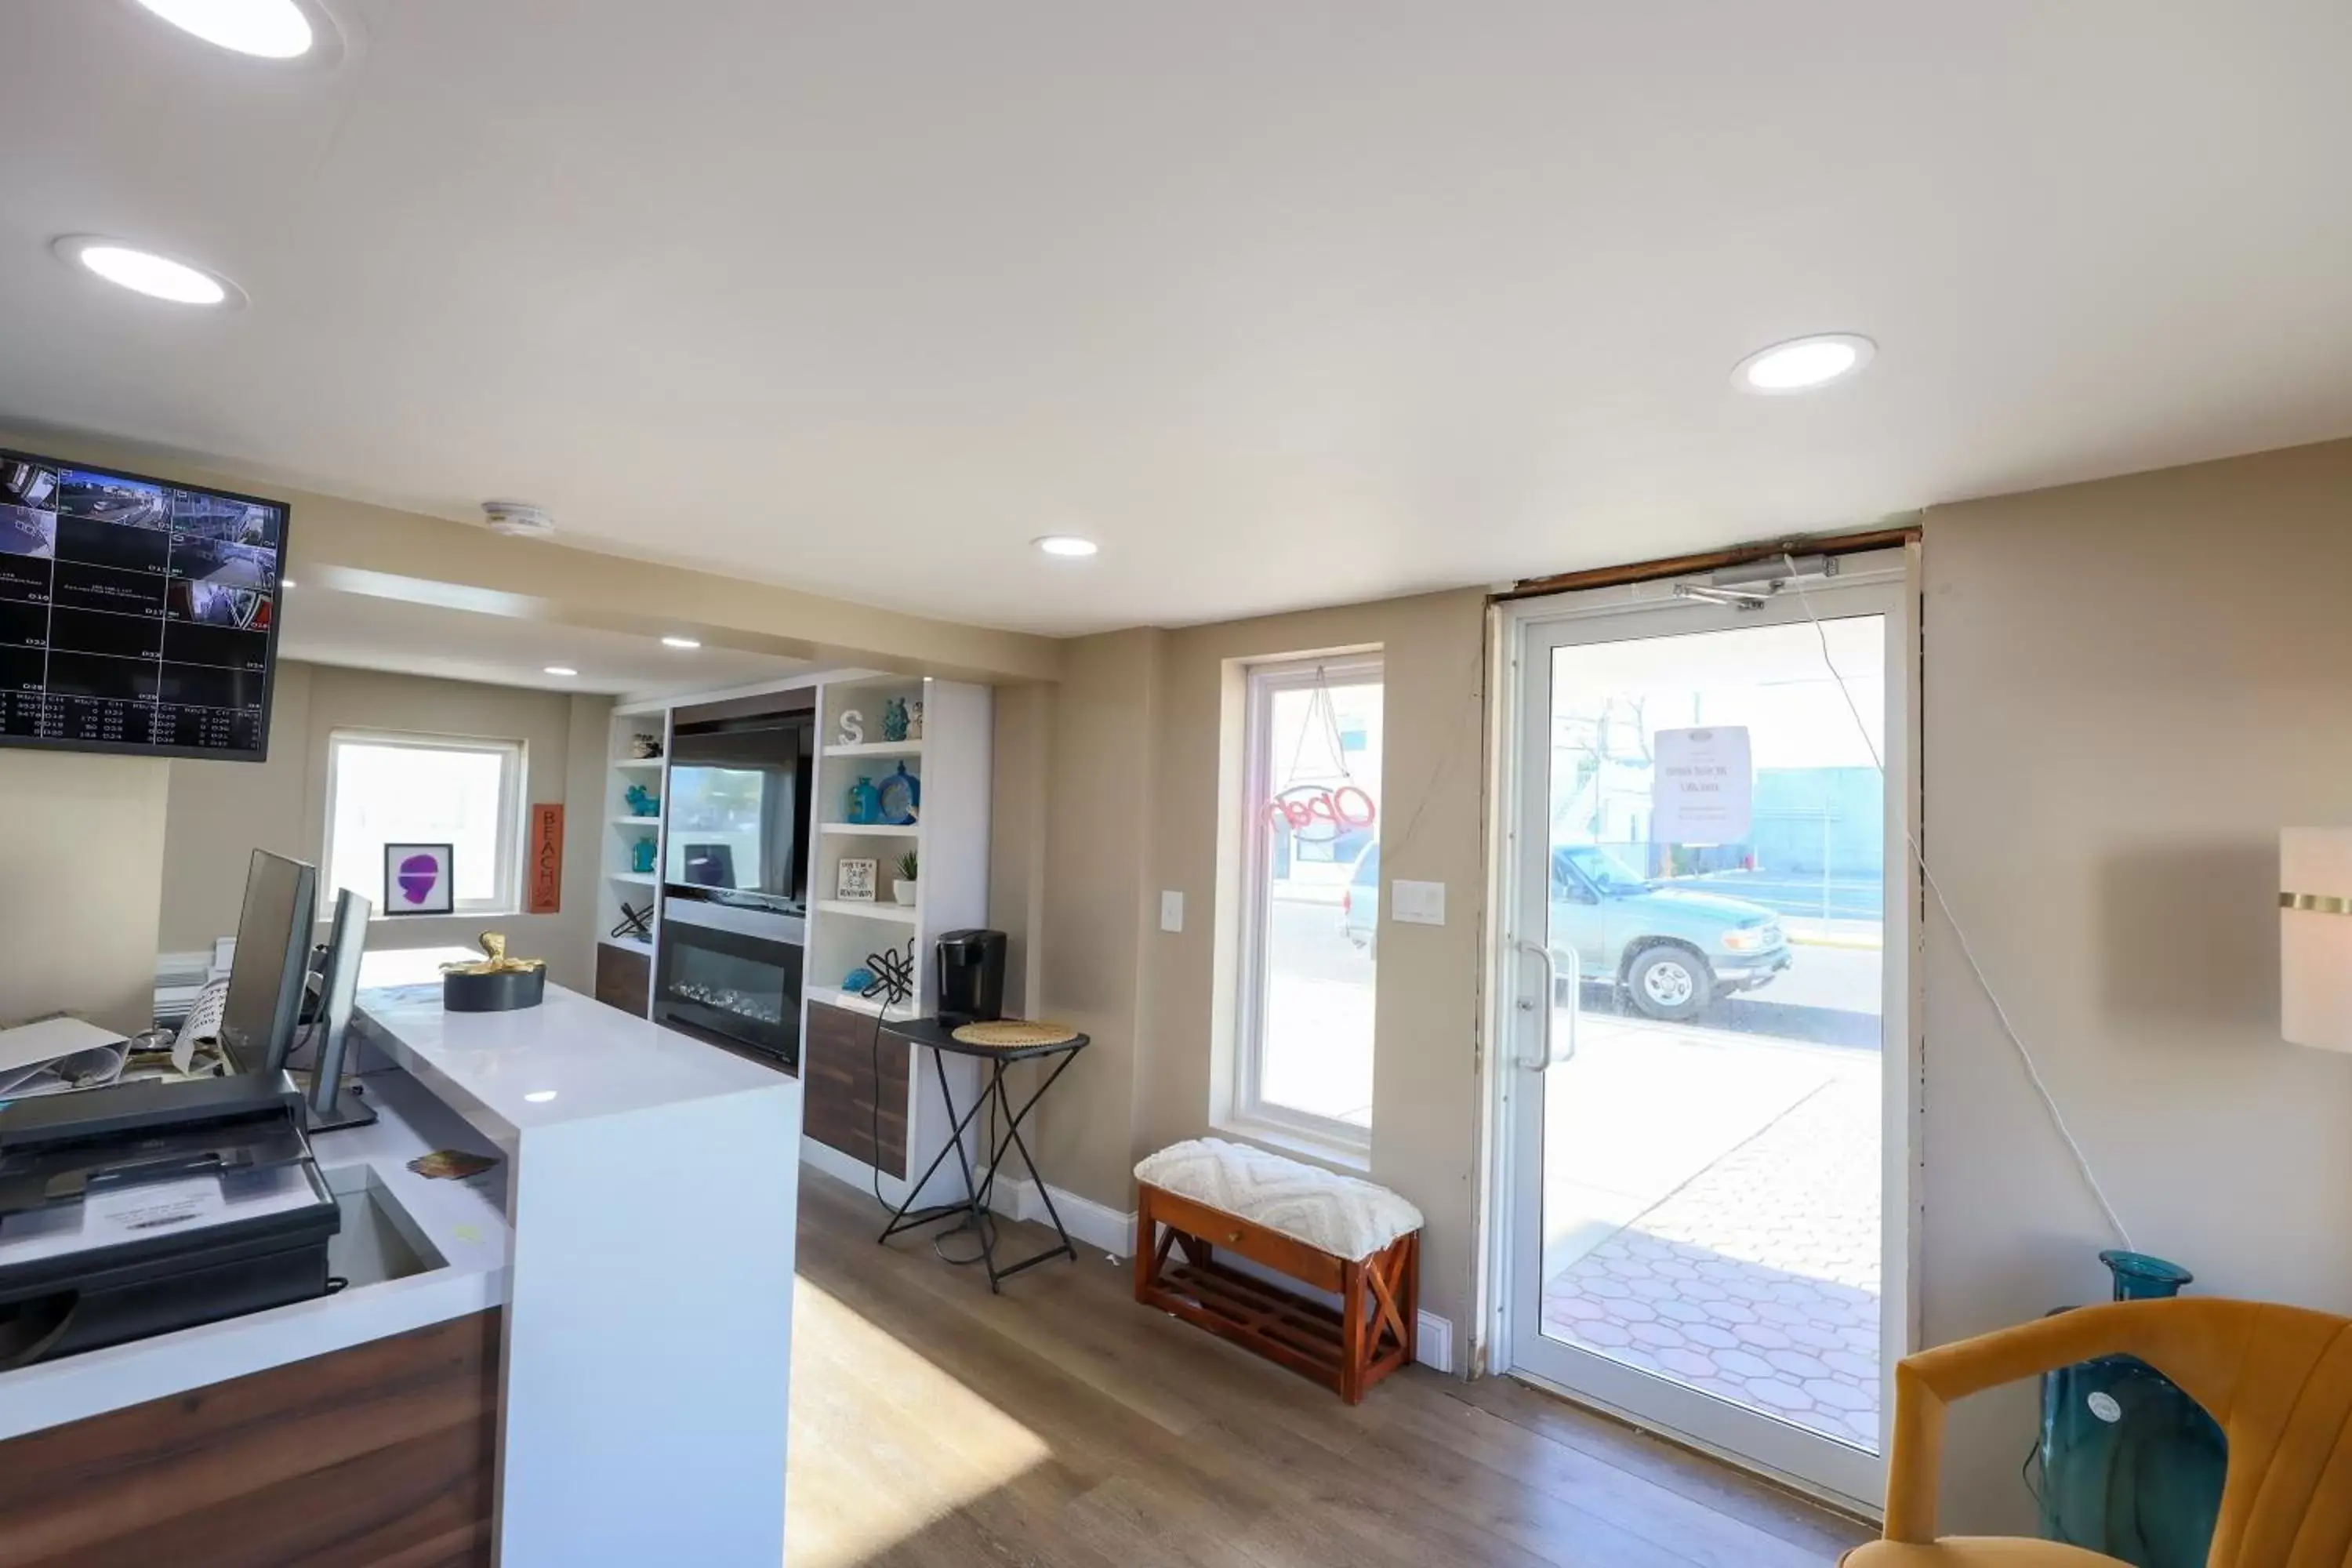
[2131, 1466]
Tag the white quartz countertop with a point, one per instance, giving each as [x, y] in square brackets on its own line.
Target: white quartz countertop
[571, 1058]
[458, 1227]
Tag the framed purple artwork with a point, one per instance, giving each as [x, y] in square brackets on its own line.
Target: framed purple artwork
[417, 879]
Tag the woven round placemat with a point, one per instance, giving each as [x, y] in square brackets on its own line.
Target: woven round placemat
[1006, 1033]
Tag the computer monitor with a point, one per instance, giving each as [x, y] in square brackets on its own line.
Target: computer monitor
[333, 1103]
[264, 1004]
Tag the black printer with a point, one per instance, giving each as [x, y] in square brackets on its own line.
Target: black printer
[146, 1207]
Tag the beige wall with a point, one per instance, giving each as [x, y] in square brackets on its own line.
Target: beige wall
[2129, 687]
[81, 858]
[1021, 757]
[1100, 774]
[1424, 1070]
[221, 812]
[1135, 782]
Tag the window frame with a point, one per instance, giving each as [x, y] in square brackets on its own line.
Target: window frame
[506, 872]
[1262, 680]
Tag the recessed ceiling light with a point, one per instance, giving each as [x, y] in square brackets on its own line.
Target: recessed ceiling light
[1801, 364]
[1066, 544]
[144, 272]
[681, 642]
[273, 29]
[539, 1096]
[561, 670]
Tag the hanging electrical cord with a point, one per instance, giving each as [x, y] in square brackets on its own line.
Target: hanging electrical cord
[1968, 952]
[894, 985]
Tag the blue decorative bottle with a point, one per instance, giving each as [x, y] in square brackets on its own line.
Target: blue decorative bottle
[2131, 1466]
[865, 802]
[898, 798]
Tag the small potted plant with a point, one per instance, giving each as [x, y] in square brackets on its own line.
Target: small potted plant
[903, 887]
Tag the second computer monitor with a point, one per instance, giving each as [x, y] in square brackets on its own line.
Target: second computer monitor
[335, 1102]
[264, 1004]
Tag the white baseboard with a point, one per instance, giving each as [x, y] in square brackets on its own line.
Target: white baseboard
[1432, 1344]
[1090, 1223]
[855, 1172]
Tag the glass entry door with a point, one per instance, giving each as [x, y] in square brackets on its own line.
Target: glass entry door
[1706, 867]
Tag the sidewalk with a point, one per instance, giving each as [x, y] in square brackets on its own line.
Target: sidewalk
[1860, 935]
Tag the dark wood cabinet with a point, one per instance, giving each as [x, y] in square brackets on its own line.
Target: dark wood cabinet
[381, 1455]
[625, 978]
[838, 1079]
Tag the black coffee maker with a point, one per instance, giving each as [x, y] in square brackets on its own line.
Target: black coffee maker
[972, 977]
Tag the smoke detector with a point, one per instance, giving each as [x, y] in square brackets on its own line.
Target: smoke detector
[519, 520]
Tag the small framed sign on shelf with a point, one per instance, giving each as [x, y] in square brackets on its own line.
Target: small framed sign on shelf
[854, 880]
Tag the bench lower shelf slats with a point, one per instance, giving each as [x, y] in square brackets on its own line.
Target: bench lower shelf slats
[1346, 1350]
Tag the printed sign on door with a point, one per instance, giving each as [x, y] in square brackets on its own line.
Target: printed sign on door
[1704, 789]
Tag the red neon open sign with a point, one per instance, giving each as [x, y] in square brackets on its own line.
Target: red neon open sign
[1319, 812]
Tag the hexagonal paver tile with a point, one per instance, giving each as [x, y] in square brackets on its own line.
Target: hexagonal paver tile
[1685, 1363]
[1797, 1363]
[1838, 1396]
[1757, 1280]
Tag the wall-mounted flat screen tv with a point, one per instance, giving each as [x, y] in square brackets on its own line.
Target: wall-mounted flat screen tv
[136, 616]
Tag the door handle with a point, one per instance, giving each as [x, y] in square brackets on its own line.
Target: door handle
[1552, 1056]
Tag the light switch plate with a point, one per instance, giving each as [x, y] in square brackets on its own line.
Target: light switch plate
[1171, 909]
[1417, 903]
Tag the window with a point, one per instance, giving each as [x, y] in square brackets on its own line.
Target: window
[1310, 898]
[426, 789]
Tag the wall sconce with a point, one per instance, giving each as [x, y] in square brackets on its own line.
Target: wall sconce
[2315, 936]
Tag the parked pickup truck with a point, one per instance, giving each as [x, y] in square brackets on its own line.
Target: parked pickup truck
[1673, 949]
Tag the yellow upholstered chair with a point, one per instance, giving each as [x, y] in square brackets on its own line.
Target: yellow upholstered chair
[2278, 1379]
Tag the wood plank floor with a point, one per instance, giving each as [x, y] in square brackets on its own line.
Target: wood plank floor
[1061, 1425]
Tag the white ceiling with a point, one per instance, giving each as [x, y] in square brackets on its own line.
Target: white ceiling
[1282, 304]
[371, 633]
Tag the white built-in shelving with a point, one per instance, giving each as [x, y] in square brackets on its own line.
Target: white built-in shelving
[950, 762]
[620, 882]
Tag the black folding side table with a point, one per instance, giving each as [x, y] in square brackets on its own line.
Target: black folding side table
[935, 1037]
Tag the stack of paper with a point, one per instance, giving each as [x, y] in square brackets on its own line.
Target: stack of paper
[57, 1054]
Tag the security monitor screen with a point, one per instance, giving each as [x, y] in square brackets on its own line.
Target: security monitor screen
[135, 615]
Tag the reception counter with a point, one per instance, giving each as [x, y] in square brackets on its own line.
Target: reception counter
[580, 1357]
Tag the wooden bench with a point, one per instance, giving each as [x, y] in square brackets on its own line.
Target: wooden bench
[1178, 1234]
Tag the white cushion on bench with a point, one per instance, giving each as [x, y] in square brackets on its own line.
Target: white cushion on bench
[1337, 1214]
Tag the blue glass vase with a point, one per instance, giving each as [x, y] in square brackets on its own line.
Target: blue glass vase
[865, 802]
[2131, 1466]
[897, 798]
